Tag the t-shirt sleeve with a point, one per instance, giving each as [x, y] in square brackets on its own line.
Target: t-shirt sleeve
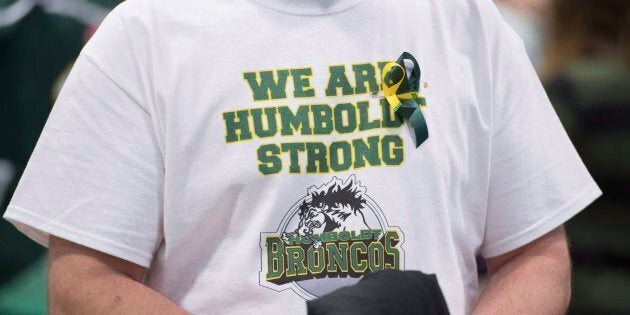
[96, 175]
[537, 181]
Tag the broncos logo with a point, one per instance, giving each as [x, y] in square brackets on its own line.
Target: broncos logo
[335, 206]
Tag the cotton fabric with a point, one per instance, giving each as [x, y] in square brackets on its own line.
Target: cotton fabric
[142, 157]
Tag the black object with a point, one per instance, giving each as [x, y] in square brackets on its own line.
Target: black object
[389, 292]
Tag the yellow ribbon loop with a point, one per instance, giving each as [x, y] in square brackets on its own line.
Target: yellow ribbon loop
[403, 96]
[390, 87]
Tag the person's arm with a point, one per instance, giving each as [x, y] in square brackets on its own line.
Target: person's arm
[85, 281]
[534, 279]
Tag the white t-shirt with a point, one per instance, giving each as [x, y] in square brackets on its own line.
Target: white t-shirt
[237, 151]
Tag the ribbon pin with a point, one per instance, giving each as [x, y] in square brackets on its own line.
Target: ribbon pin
[403, 96]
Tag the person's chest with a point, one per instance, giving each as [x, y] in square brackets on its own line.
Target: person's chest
[280, 141]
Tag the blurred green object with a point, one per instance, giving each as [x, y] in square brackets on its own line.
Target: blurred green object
[592, 98]
[39, 40]
[32, 56]
[26, 293]
[109, 4]
[606, 291]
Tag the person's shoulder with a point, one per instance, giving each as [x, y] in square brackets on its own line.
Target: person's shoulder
[472, 27]
[472, 14]
[151, 7]
[153, 13]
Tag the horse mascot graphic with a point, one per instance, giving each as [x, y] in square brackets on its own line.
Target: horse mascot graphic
[335, 206]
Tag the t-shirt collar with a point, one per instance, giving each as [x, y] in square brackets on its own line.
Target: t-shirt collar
[309, 7]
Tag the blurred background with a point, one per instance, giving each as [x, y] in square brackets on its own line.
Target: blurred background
[581, 50]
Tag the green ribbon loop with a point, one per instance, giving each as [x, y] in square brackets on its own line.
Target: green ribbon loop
[403, 94]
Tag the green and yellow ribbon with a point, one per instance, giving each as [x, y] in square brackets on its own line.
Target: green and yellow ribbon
[403, 94]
